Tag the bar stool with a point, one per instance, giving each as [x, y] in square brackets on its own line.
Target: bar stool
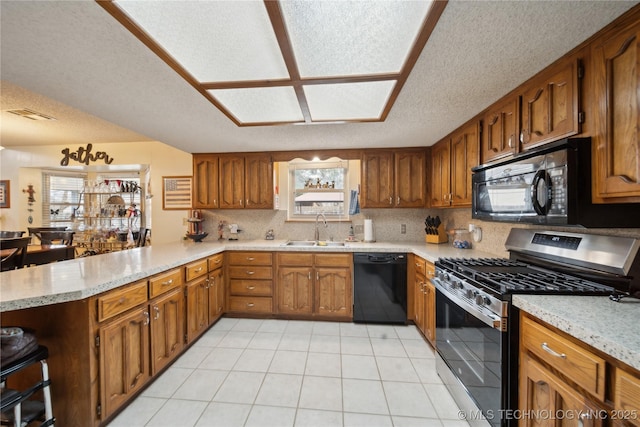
[16, 406]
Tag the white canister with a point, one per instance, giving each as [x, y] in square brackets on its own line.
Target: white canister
[368, 231]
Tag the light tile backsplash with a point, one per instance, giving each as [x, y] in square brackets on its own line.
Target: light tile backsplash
[387, 223]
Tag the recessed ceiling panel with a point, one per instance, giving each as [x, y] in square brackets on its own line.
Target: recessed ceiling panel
[342, 38]
[216, 41]
[348, 101]
[261, 105]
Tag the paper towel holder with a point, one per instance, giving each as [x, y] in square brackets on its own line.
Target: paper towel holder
[368, 229]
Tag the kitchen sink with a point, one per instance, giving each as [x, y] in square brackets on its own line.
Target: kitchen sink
[312, 243]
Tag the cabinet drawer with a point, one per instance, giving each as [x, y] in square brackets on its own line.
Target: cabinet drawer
[332, 260]
[421, 266]
[251, 287]
[295, 258]
[576, 363]
[215, 261]
[121, 300]
[250, 258]
[164, 282]
[251, 304]
[195, 269]
[250, 272]
[626, 400]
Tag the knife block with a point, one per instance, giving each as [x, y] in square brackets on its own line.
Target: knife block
[441, 237]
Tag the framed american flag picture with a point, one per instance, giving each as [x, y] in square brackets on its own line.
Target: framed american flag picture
[176, 192]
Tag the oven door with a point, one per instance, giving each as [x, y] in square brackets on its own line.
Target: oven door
[473, 360]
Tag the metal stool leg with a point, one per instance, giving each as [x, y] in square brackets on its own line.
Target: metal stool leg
[48, 410]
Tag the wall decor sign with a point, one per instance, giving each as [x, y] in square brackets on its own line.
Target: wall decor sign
[84, 155]
[176, 192]
[5, 194]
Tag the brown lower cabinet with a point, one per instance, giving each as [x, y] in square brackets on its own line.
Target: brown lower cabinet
[424, 296]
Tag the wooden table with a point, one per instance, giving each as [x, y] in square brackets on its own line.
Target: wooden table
[44, 254]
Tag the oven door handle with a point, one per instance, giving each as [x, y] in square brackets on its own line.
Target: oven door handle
[489, 319]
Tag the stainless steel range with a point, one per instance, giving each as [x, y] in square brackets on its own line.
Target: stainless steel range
[477, 326]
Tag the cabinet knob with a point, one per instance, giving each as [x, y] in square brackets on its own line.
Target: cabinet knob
[250, 304]
[250, 272]
[169, 282]
[250, 287]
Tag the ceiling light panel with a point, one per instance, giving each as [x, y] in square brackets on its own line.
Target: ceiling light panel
[348, 101]
[343, 38]
[216, 41]
[261, 105]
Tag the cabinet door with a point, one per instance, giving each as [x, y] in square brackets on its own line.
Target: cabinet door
[617, 85]
[440, 174]
[501, 130]
[205, 181]
[419, 301]
[334, 292]
[377, 179]
[543, 394]
[294, 290]
[464, 156]
[124, 358]
[231, 182]
[216, 294]
[430, 312]
[410, 179]
[550, 106]
[258, 188]
[167, 329]
[197, 307]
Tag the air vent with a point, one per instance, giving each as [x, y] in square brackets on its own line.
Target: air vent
[30, 114]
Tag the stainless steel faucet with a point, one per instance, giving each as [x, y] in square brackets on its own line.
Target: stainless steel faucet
[316, 236]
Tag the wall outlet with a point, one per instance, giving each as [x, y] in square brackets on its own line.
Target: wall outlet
[403, 228]
[359, 229]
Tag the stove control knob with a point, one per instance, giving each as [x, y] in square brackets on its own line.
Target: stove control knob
[469, 293]
[482, 300]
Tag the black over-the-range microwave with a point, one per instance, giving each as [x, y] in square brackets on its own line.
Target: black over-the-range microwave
[547, 186]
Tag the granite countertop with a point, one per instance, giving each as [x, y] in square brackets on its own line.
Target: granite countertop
[609, 326]
[84, 277]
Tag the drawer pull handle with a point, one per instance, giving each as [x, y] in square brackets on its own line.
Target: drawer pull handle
[250, 304]
[250, 272]
[167, 283]
[552, 352]
[156, 309]
[250, 258]
[217, 261]
[251, 287]
[121, 301]
[198, 270]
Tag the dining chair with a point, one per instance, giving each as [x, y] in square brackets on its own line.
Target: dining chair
[10, 234]
[35, 231]
[57, 237]
[16, 252]
[142, 237]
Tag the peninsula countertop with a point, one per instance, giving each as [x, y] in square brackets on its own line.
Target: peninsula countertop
[609, 326]
[81, 278]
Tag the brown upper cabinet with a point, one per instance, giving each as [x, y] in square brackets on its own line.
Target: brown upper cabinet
[232, 181]
[451, 163]
[550, 104]
[205, 181]
[616, 83]
[393, 179]
[501, 130]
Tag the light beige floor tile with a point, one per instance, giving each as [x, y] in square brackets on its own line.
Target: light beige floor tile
[302, 327]
[326, 328]
[364, 396]
[418, 349]
[415, 422]
[426, 369]
[240, 387]
[388, 347]
[353, 330]
[236, 339]
[247, 325]
[317, 418]
[446, 407]
[167, 384]
[265, 416]
[273, 325]
[219, 414]
[397, 369]
[211, 338]
[202, 384]
[324, 344]
[409, 332]
[294, 342]
[138, 414]
[366, 420]
[178, 413]
[221, 359]
[288, 362]
[321, 393]
[382, 331]
[408, 399]
[359, 367]
[265, 340]
[192, 358]
[323, 365]
[356, 345]
[254, 360]
[280, 390]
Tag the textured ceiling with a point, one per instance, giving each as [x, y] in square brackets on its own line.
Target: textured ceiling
[73, 61]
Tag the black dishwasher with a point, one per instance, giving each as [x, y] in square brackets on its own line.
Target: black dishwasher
[380, 288]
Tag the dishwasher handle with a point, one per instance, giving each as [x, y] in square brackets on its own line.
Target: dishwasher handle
[386, 258]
